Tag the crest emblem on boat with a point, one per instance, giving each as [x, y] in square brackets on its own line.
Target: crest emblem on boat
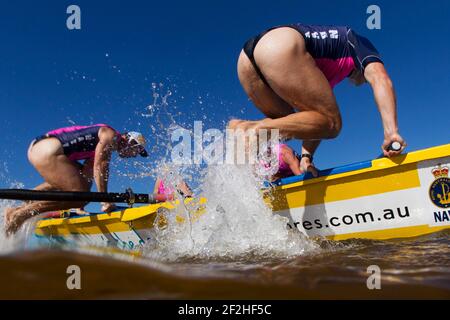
[440, 188]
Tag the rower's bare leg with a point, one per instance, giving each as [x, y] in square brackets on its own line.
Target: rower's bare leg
[15, 217]
[262, 96]
[87, 172]
[45, 187]
[297, 82]
[272, 105]
[310, 146]
[57, 170]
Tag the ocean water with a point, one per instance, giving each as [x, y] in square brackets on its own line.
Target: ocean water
[237, 250]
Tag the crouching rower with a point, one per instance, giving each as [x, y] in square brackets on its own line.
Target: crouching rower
[56, 157]
[289, 73]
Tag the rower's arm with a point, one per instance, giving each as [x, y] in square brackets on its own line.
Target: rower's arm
[291, 160]
[185, 189]
[102, 158]
[384, 93]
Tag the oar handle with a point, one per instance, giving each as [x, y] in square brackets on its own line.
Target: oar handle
[72, 196]
[394, 146]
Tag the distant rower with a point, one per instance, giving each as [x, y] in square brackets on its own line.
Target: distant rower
[181, 187]
[289, 73]
[56, 157]
[288, 163]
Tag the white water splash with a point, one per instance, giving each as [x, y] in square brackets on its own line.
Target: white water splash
[236, 224]
[18, 240]
[7, 244]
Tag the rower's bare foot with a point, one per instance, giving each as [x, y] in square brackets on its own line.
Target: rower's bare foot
[232, 124]
[81, 211]
[7, 215]
[238, 124]
[9, 221]
[243, 125]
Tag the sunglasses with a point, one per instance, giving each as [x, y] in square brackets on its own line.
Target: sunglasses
[134, 145]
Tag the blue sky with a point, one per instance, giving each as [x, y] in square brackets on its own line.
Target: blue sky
[52, 77]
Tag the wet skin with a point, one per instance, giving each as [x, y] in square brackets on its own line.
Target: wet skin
[300, 102]
[60, 173]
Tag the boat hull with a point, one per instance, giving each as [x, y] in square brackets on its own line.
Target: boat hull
[383, 204]
[406, 196]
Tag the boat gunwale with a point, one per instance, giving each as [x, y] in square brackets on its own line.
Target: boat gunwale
[303, 180]
[441, 151]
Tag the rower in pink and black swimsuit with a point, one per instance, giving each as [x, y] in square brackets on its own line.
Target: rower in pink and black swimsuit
[78, 142]
[337, 50]
[56, 157]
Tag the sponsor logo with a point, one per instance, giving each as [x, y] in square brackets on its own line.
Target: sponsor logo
[439, 191]
[332, 34]
[363, 217]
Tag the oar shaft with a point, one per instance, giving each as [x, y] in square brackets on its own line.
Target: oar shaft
[34, 195]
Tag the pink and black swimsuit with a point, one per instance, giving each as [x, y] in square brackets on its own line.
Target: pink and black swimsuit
[78, 142]
[337, 50]
[284, 170]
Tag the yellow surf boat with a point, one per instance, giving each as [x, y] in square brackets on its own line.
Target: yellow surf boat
[405, 196]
